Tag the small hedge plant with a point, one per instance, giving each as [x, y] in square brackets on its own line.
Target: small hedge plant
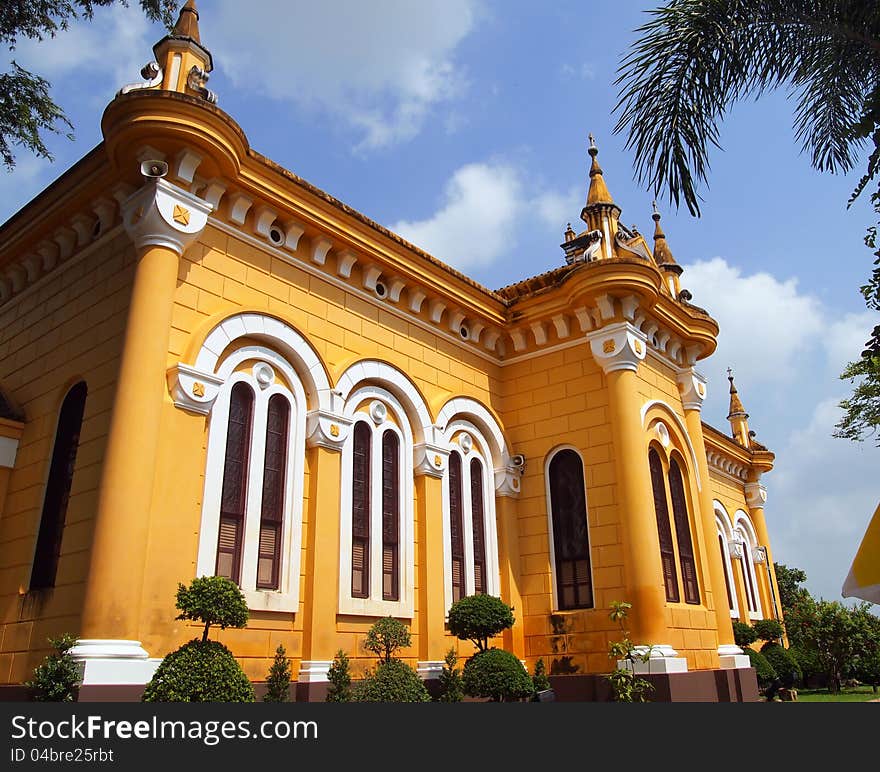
[785, 665]
[391, 681]
[743, 634]
[497, 675]
[764, 671]
[278, 680]
[539, 678]
[339, 676]
[477, 618]
[768, 629]
[199, 671]
[58, 677]
[386, 637]
[451, 687]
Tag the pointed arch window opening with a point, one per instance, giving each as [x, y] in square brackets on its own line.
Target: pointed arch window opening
[683, 536]
[360, 513]
[664, 531]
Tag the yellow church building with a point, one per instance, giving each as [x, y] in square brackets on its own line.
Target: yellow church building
[210, 366]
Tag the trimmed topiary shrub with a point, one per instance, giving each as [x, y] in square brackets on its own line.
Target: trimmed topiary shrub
[451, 688]
[199, 671]
[763, 669]
[768, 629]
[339, 676]
[386, 636]
[785, 665]
[743, 634]
[212, 600]
[477, 618]
[278, 680]
[57, 678]
[539, 678]
[391, 681]
[498, 675]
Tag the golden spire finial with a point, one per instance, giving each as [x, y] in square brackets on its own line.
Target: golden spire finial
[736, 406]
[662, 254]
[598, 193]
[188, 22]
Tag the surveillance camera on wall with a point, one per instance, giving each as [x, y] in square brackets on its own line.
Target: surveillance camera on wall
[154, 169]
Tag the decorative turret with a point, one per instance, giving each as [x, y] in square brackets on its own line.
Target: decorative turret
[600, 213]
[663, 256]
[737, 415]
[183, 61]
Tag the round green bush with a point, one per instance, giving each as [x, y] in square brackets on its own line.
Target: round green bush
[783, 663]
[477, 618]
[768, 629]
[743, 634]
[498, 675]
[392, 681]
[763, 669]
[199, 671]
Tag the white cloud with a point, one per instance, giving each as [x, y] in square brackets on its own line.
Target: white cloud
[556, 209]
[846, 337]
[475, 222]
[381, 66]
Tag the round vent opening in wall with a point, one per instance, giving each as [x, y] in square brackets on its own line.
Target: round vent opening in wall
[276, 235]
[97, 228]
[464, 331]
[378, 412]
[264, 375]
[380, 289]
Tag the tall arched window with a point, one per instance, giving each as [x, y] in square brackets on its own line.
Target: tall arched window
[745, 533]
[272, 508]
[60, 479]
[683, 534]
[571, 543]
[360, 510]
[478, 526]
[390, 516]
[456, 521]
[661, 510]
[233, 502]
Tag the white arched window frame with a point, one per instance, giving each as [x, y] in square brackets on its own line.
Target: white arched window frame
[374, 604]
[725, 531]
[477, 448]
[265, 383]
[549, 507]
[745, 532]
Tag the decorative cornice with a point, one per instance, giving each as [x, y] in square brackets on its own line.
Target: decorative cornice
[325, 429]
[618, 346]
[756, 495]
[692, 386]
[430, 459]
[161, 214]
[507, 481]
[191, 389]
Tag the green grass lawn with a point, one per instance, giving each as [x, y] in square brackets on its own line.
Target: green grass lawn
[853, 694]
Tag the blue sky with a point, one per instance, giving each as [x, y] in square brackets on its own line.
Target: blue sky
[462, 124]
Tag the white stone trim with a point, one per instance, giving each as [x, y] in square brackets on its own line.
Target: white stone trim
[743, 528]
[482, 417]
[554, 598]
[191, 389]
[374, 370]
[161, 214]
[618, 346]
[113, 662]
[8, 451]
[663, 659]
[286, 598]
[693, 386]
[756, 495]
[480, 449]
[374, 605]
[430, 669]
[725, 530]
[682, 427]
[315, 671]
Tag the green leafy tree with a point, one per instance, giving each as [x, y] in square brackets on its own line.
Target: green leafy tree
[278, 680]
[789, 581]
[768, 681]
[58, 677]
[861, 418]
[743, 634]
[392, 681]
[781, 660]
[212, 600]
[497, 675]
[451, 688]
[768, 629]
[26, 109]
[694, 58]
[386, 637]
[339, 677]
[477, 618]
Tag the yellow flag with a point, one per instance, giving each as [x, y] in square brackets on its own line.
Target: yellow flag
[863, 580]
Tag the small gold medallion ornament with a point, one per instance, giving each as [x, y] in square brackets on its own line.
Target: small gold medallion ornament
[198, 389]
[437, 461]
[181, 215]
[638, 347]
[334, 430]
[608, 347]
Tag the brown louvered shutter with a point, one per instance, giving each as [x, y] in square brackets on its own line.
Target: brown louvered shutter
[456, 526]
[48, 549]
[683, 535]
[571, 543]
[478, 523]
[360, 511]
[235, 469]
[724, 566]
[272, 508]
[750, 581]
[390, 516]
[664, 531]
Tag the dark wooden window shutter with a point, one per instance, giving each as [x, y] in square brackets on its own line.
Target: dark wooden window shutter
[479, 527]
[390, 516]
[683, 535]
[571, 542]
[272, 508]
[664, 531]
[721, 545]
[747, 567]
[48, 550]
[456, 526]
[233, 499]
[360, 511]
